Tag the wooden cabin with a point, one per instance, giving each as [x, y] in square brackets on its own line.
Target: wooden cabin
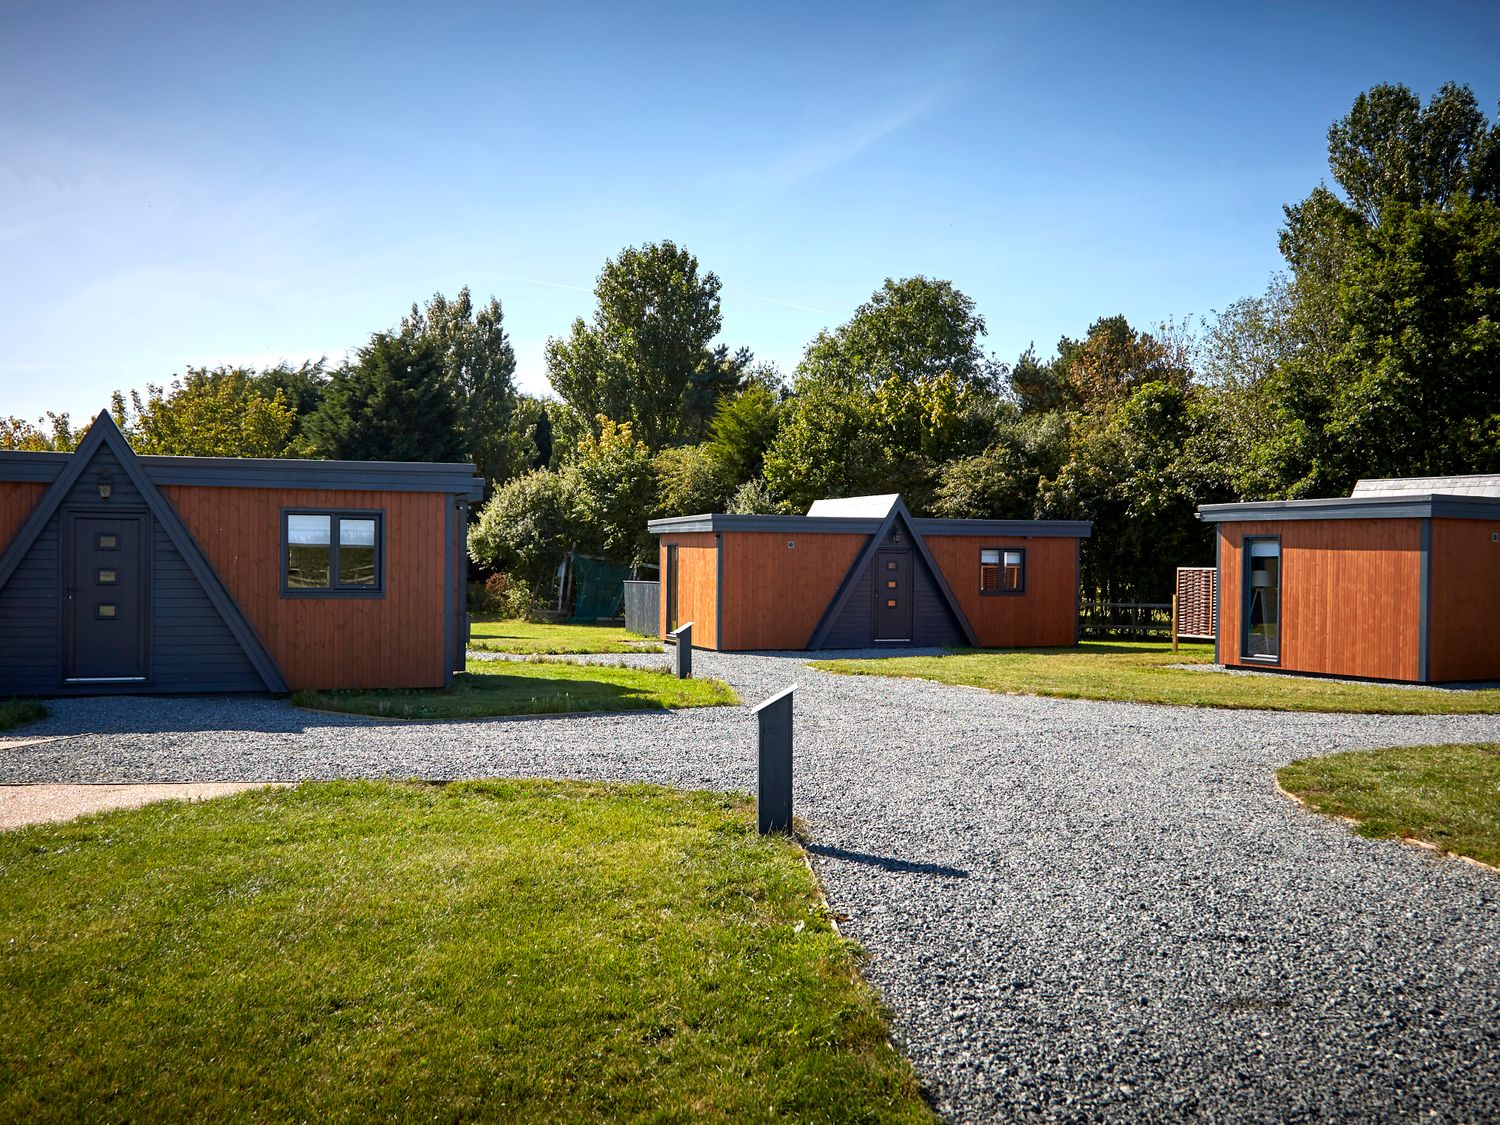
[1398, 581]
[129, 574]
[862, 572]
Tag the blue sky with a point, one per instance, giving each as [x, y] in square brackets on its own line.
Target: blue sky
[202, 184]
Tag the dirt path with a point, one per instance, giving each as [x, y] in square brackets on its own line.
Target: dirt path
[34, 804]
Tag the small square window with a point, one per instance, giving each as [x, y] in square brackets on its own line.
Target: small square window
[890, 603]
[1002, 570]
[108, 542]
[890, 565]
[332, 554]
[106, 611]
[108, 577]
[891, 585]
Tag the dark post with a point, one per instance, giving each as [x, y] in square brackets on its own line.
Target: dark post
[682, 661]
[773, 798]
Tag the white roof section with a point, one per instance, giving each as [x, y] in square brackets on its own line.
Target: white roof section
[1480, 484]
[855, 507]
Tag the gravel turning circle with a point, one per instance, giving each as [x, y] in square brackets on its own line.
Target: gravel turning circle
[1076, 910]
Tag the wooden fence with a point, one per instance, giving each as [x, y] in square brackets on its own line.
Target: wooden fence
[643, 607]
[1137, 620]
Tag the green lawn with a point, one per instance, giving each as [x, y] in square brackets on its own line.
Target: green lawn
[1139, 673]
[18, 712]
[531, 687]
[510, 951]
[492, 634]
[1445, 795]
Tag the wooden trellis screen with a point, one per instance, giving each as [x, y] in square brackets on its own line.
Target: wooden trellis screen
[1195, 605]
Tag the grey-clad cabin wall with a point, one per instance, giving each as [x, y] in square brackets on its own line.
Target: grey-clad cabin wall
[933, 624]
[855, 625]
[31, 620]
[192, 648]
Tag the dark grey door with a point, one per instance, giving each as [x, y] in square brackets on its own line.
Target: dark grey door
[105, 626]
[893, 595]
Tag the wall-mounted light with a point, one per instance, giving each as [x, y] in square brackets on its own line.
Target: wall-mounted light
[104, 485]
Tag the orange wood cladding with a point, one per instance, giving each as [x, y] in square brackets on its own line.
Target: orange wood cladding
[1464, 604]
[1045, 615]
[697, 585]
[774, 595]
[1350, 595]
[394, 641]
[17, 498]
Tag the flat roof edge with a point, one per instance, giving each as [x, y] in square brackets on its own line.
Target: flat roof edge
[456, 478]
[1409, 506]
[717, 522]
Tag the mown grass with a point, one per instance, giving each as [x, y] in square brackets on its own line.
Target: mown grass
[532, 687]
[18, 712]
[1141, 673]
[509, 951]
[493, 634]
[1445, 795]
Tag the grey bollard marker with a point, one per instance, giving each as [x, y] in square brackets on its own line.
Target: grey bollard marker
[682, 660]
[773, 797]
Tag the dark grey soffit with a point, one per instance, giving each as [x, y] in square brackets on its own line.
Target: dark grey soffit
[807, 525]
[1356, 508]
[458, 479]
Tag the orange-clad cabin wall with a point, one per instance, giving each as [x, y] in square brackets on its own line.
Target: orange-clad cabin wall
[1350, 595]
[697, 585]
[1046, 615]
[393, 641]
[17, 499]
[777, 586]
[1464, 602]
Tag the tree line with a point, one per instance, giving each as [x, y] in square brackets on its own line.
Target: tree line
[1375, 352]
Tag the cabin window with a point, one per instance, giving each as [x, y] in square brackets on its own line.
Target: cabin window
[332, 554]
[1261, 639]
[1002, 570]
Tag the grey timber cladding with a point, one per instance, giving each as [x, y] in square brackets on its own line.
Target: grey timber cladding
[191, 647]
[197, 638]
[1395, 505]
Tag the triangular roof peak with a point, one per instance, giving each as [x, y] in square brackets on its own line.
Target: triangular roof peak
[105, 434]
[856, 507]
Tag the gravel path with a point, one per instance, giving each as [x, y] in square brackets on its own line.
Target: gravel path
[1077, 910]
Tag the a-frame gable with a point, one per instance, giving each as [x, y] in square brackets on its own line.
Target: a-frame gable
[105, 435]
[861, 566]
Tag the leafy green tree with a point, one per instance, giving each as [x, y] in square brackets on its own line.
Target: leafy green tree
[480, 366]
[1390, 314]
[648, 357]
[614, 493]
[526, 528]
[395, 404]
[753, 498]
[914, 328]
[744, 427]
[1124, 472]
[302, 387]
[1036, 386]
[691, 480]
[1003, 482]
[1114, 360]
[212, 413]
[1390, 149]
[53, 433]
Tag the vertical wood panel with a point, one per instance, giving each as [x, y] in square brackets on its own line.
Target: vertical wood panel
[1046, 615]
[775, 595]
[1350, 595]
[392, 641]
[17, 499]
[697, 584]
[1464, 626]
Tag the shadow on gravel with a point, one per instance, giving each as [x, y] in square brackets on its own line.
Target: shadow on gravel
[888, 863]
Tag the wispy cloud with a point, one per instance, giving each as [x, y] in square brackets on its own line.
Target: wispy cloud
[539, 281]
[837, 145]
[778, 301]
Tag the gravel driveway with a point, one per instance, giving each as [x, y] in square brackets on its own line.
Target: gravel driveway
[1076, 910]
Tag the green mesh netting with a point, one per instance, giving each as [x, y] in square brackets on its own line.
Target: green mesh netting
[598, 588]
